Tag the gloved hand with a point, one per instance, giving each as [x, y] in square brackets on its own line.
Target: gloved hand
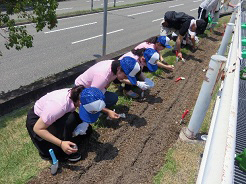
[149, 82]
[142, 85]
[80, 129]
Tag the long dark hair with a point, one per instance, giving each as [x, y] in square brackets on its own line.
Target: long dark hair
[75, 92]
[138, 52]
[152, 40]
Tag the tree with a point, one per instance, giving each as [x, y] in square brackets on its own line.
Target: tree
[39, 12]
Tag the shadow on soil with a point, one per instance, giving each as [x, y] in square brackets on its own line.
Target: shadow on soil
[104, 151]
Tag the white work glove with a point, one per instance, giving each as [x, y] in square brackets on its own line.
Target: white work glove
[149, 82]
[80, 129]
[142, 85]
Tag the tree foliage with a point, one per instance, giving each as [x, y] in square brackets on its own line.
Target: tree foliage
[40, 12]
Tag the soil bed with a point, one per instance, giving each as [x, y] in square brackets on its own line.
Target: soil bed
[132, 150]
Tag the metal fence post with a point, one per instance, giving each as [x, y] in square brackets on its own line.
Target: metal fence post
[233, 17]
[216, 66]
[225, 39]
[91, 5]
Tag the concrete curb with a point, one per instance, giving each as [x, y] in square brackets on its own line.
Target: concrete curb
[24, 95]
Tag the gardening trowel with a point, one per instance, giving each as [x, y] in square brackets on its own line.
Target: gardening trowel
[177, 57]
[54, 166]
[183, 116]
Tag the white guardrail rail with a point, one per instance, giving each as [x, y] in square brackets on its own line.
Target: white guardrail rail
[217, 165]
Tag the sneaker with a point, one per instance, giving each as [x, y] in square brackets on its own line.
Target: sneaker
[131, 94]
[74, 157]
[44, 157]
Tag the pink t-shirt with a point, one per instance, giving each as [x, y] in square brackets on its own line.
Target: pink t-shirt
[130, 54]
[54, 105]
[99, 75]
[145, 45]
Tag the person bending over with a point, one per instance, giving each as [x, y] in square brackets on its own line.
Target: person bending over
[103, 73]
[53, 123]
[182, 23]
[148, 61]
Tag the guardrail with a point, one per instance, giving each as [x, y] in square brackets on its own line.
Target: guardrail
[217, 164]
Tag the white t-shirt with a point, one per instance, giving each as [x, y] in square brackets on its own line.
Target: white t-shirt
[193, 21]
[209, 5]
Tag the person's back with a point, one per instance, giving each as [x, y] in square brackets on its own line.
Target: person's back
[176, 19]
[209, 5]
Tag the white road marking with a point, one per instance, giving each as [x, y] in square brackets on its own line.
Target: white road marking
[97, 36]
[176, 5]
[197, 1]
[64, 9]
[157, 19]
[194, 9]
[140, 13]
[70, 27]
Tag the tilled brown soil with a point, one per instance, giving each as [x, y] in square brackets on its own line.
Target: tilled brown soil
[132, 151]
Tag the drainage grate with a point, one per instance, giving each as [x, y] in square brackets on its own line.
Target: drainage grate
[239, 175]
[242, 89]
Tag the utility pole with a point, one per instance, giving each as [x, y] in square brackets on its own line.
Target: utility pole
[91, 5]
[105, 26]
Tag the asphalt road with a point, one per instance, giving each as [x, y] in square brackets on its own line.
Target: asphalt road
[79, 39]
[77, 5]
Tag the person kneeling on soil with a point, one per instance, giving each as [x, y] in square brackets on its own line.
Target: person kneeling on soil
[53, 123]
[182, 24]
[158, 43]
[147, 59]
[103, 73]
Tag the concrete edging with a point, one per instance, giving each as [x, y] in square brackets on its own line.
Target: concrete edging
[24, 95]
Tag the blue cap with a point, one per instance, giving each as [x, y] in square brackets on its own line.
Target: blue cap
[92, 102]
[151, 57]
[164, 40]
[131, 67]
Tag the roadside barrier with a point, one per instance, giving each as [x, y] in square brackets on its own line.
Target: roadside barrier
[217, 164]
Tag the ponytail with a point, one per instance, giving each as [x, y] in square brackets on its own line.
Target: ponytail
[152, 40]
[75, 92]
[138, 52]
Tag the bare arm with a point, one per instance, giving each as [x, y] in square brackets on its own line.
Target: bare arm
[167, 67]
[141, 77]
[111, 114]
[232, 5]
[193, 41]
[40, 128]
[178, 45]
[126, 81]
[161, 58]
